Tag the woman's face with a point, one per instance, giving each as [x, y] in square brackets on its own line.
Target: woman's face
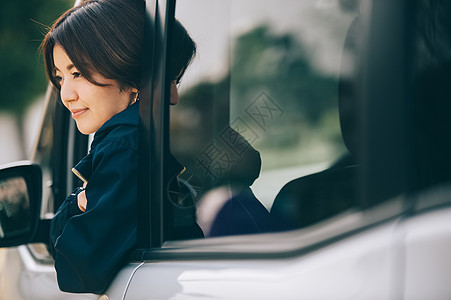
[91, 105]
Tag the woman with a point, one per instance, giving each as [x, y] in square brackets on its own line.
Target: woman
[93, 56]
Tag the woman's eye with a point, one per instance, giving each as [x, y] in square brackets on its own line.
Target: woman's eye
[76, 75]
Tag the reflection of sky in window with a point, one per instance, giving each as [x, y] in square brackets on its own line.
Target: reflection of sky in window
[320, 25]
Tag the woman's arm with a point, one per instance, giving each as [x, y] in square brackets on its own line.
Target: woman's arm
[94, 245]
[67, 210]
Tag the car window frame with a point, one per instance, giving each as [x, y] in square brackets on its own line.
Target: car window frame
[153, 131]
[152, 211]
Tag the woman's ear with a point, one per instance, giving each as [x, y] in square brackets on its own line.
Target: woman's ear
[134, 95]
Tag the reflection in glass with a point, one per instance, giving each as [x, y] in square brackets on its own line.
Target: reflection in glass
[259, 105]
[14, 207]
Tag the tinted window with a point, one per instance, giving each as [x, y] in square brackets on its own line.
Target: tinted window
[259, 107]
[430, 65]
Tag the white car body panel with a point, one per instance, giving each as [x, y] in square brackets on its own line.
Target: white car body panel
[31, 280]
[359, 267]
[428, 255]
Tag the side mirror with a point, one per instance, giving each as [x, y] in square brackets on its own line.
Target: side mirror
[20, 203]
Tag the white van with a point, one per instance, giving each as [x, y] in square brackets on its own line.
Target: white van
[346, 102]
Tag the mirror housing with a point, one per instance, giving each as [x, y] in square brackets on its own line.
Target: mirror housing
[20, 203]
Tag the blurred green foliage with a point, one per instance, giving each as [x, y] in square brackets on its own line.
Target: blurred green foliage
[23, 25]
[279, 65]
[276, 65]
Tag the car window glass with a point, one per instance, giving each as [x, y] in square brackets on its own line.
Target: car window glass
[259, 107]
[430, 64]
[43, 157]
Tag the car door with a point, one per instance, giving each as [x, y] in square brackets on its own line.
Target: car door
[288, 80]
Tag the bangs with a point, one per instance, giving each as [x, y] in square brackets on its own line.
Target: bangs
[66, 36]
[99, 40]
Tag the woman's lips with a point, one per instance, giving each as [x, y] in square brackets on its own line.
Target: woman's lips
[77, 112]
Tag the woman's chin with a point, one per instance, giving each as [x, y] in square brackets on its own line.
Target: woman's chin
[85, 129]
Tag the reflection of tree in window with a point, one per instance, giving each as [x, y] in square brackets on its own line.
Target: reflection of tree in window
[275, 65]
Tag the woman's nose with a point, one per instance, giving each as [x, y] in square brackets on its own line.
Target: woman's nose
[68, 93]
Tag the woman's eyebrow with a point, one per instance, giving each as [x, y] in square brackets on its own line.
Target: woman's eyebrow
[69, 67]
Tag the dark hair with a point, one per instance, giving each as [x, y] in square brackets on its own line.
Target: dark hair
[182, 49]
[100, 36]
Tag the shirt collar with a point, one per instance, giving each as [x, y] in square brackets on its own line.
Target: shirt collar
[129, 116]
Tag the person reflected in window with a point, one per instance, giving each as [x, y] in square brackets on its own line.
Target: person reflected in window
[236, 211]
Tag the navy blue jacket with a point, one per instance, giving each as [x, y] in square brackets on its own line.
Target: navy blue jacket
[90, 247]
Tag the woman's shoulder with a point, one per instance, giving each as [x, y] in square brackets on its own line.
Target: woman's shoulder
[118, 150]
[119, 137]
[121, 130]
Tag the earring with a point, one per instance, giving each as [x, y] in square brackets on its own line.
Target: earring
[136, 99]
